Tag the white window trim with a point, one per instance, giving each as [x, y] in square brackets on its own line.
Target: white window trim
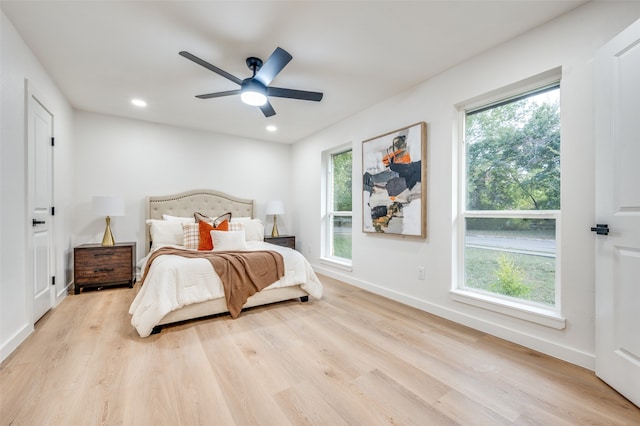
[535, 313]
[538, 315]
[328, 213]
[337, 262]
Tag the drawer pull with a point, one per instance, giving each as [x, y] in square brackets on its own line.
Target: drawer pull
[103, 270]
[106, 253]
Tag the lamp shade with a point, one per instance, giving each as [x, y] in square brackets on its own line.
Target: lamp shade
[108, 206]
[275, 207]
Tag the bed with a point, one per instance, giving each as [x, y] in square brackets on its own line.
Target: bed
[177, 289]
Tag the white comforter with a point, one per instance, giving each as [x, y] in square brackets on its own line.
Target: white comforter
[175, 281]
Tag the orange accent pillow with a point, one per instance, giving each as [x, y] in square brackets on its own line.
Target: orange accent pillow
[205, 233]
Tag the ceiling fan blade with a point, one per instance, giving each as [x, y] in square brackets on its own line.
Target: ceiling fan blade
[276, 62]
[280, 92]
[267, 109]
[210, 67]
[219, 94]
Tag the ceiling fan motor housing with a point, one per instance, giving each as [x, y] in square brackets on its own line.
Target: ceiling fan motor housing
[254, 64]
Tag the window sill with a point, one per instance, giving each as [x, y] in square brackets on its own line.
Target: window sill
[534, 314]
[337, 263]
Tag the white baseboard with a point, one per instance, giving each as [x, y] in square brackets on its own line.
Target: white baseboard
[536, 343]
[15, 341]
[62, 293]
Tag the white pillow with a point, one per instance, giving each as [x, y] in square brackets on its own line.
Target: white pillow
[165, 232]
[178, 218]
[228, 240]
[253, 228]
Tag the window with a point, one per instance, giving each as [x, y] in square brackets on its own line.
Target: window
[510, 200]
[338, 223]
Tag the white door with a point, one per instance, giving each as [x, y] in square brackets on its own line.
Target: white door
[618, 206]
[39, 196]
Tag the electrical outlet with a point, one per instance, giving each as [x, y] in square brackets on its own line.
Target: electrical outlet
[421, 272]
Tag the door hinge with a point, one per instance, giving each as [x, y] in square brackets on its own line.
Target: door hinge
[53, 141]
[53, 280]
[53, 211]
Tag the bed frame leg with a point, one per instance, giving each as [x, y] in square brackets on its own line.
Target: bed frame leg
[304, 298]
[156, 330]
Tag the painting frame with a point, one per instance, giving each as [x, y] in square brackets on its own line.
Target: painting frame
[394, 182]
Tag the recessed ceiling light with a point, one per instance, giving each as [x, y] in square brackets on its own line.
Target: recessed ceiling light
[271, 128]
[139, 103]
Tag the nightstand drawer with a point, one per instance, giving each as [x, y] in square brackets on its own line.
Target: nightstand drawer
[104, 256]
[102, 273]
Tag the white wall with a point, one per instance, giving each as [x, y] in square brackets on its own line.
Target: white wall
[387, 265]
[17, 64]
[136, 159]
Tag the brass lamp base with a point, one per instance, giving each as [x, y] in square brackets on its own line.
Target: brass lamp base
[108, 240]
[274, 231]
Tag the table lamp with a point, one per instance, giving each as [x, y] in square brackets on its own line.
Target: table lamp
[275, 208]
[108, 206]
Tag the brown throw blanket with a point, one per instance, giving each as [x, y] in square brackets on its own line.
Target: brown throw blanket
[243, 273]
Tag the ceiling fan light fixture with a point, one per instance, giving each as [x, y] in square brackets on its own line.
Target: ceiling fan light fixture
[253, 98]
[253, 93]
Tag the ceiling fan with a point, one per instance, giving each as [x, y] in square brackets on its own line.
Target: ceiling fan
[255, 90]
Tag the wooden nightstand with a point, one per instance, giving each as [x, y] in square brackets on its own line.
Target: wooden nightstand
[282, 240]
[95, 265]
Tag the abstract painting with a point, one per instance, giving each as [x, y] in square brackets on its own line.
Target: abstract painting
[394, 197]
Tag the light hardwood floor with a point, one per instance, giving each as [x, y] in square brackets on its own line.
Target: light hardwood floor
[352, 358]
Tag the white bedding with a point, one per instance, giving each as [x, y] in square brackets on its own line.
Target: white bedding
[175, 281]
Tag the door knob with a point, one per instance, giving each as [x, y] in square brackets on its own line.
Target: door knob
[600, 229]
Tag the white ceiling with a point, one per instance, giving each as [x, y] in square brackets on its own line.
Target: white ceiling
[102, 54]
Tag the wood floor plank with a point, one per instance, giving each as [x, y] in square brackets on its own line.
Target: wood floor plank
[441, 364]
[350, 358]
[305, 404]
[398, 404]
[333, 384]
[249, 399]
[473, 413]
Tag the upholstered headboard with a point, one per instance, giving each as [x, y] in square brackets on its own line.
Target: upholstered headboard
[208, 202]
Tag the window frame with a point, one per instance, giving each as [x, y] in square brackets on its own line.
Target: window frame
[550, 316]
[329, 213]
